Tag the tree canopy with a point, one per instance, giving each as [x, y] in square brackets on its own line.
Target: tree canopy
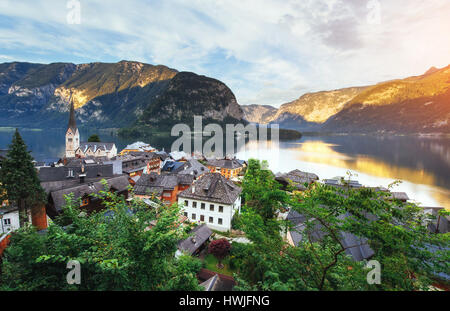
[409, 255]
[19, 182]
[118, 250]
[94, 138]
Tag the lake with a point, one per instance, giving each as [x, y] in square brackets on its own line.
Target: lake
[421, 163]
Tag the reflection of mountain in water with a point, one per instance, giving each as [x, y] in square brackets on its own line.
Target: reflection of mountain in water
[430, 156]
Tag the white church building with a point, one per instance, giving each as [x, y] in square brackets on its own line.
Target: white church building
[75, 148]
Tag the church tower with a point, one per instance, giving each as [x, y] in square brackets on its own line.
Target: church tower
[72, 134]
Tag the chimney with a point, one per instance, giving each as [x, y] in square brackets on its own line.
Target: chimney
[193, 188]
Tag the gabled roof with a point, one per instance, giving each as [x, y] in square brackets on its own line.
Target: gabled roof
[119, 183]
[225, 163]
[156, 184]
[178, 155]
[172, 166]
[139, 145]
[212, 187]
[96, 146]
[198, 236]
[297, 178]
[61, 173]
[191, 167]
[402, 196]
[357, 246]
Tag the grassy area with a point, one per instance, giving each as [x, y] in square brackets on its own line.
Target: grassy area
[211, 264]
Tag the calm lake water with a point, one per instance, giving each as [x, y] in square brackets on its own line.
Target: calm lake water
[421, 163]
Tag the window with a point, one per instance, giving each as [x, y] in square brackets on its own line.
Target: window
[194, 217]
[186, 203]
[211, 207]
[211, 220]
[220, 209]
[7, 222]
[186, 214]
[202, 206]
[202, 218]
[70, 140]
[194, 204]
[220, 221]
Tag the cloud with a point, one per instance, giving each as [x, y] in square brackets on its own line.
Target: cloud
[267, 51]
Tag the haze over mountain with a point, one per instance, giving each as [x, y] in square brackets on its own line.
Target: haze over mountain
[107, 95]
[419, 104]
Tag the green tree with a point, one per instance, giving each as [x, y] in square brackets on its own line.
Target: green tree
[94, 138]
[19, 182]
[261, 192]
[128, 247]
[410, 256]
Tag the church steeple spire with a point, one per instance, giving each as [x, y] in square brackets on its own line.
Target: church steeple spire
[72, 134]
[72, 121]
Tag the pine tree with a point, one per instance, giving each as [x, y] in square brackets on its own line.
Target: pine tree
[19, 182]
[94, 138]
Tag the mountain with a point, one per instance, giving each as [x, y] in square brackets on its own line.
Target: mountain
[259, 113]
[189, 94]
[414, 105]
[419, 104]
[105, 94]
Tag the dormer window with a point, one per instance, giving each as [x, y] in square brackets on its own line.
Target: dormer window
[70, 174]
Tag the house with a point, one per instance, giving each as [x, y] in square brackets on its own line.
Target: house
[212, 281]
[229, 168]
[195, 242]
[400, 196]
[441, 224]
[97, 149]
[341, 182]
[132, 166]
[82, 180]
[152, 159]
[82, 191]
[49, 162]
[165, 187]
[162, 155]
[297, 179]
[190, 167]
[211, 199]
[76, 148]
[9, 219]
[137, 147]
[171, 166]
[180, 156]
[357, 247]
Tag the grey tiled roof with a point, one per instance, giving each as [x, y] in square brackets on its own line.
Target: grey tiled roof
[225, 163]
[199, 235]
[402, 196]
[96, 146]
[212, 187]
[154, 183]
[119, 183]
[49, 174]
[358, 248]
[297, 178]
[192, 167]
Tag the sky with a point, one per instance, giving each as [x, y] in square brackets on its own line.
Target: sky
[268, 52]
